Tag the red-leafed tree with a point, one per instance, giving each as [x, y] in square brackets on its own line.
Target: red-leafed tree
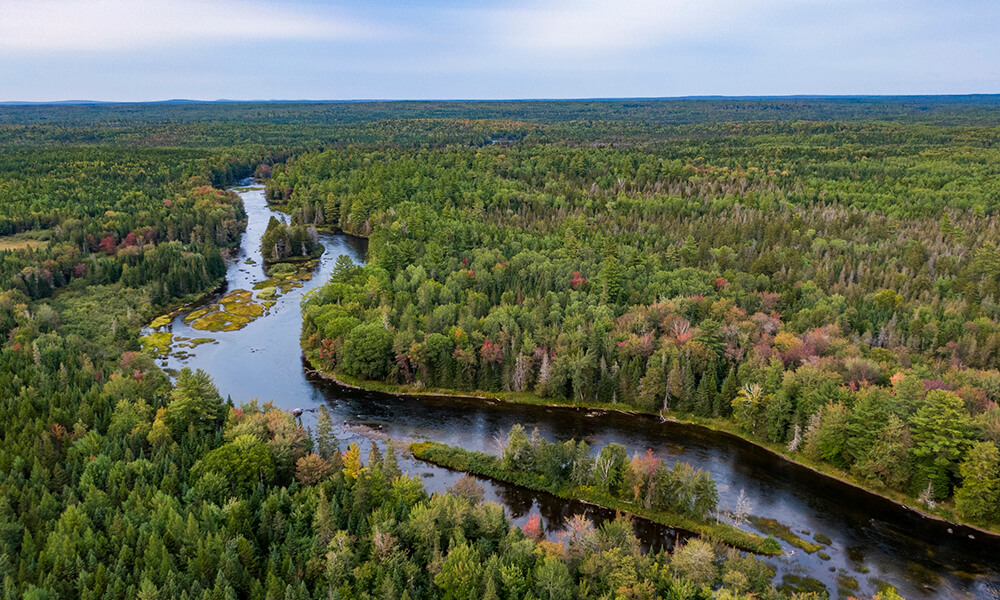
[108, 245]
[491, 353]
[533, 528]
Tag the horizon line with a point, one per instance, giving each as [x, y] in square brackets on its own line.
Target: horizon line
[978, 95]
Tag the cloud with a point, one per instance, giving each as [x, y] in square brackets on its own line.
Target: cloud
[714, 46]
[592, 26]
[146, 49]
[58, 26]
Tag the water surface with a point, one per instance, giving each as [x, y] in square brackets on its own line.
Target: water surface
[873, 540]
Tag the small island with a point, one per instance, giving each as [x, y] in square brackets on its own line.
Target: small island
[680, 496]
[289, 243]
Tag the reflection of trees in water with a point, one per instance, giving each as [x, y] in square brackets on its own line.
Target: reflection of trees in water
[781, 490]
[555, 513]
[518, 501]
[654, 537]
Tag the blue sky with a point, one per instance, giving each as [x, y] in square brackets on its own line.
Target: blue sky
[136, 50]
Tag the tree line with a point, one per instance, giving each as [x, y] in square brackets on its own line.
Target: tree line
[835, 293]
[117, 483]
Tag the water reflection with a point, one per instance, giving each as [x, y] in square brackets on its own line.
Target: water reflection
[872, 540]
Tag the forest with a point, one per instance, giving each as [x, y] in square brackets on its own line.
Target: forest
[833, 294]
[817, 275]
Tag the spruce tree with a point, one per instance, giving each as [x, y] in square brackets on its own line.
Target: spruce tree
[704, 395]
[675, 381]
[686, 399]
[326, 439]
[723, 405]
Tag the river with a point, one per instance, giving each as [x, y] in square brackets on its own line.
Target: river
[872, 541]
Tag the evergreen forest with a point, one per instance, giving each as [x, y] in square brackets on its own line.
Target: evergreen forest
[819, 276]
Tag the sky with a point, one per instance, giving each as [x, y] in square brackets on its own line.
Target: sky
[141, 50]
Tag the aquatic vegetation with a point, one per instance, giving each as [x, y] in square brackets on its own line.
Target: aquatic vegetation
[792, 583]
[239, 295]
[244, 309]
[822, 539]
[783, 532]
[240, 302]
[233, 311]
[281, 285]
[917, 572]
[195, 315]
[283, 277]
[160, 321]
[158, 342]
[220, 320]
[856, 554]
[846, 584]
[282, 269]
[883, 587]
[185, 342]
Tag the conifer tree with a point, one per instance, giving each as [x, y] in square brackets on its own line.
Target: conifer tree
[723, 405]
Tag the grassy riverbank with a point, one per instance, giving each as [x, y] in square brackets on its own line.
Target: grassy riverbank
[942, 511]
[480, 463]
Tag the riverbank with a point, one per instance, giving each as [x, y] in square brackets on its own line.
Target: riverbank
[942, 516]
[486, 465]
[167, 313]
[872, 541]
[191, 301]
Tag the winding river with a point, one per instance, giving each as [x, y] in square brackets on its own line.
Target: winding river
[871, 540]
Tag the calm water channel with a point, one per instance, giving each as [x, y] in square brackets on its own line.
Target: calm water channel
[873, 541]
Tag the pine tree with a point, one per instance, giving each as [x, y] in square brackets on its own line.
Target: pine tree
[375, 457]
[723, 405]
[686, 399]
[653, 385]
[675, 383]
[324, 523]
[705, 395]
[979, 494]
[391, 464]
[326, 439]
[941, 435]
[772, 376]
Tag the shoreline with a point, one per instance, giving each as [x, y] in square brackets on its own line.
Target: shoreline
[951, 525]
[681, 531]
[174, 311]
[229, 253]
[755, 543]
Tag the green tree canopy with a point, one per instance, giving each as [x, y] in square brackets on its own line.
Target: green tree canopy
[195, 403]
[367, 351]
